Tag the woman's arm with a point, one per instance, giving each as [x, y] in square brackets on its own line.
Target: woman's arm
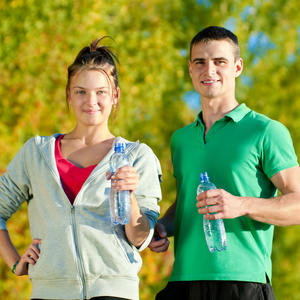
[7, 250]
[10, 255]
[137, 230]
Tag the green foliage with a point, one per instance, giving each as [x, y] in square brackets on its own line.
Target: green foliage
[40, 39]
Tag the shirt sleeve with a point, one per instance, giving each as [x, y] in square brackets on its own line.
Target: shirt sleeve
[277, 149]
[148, 192]
[14, 187]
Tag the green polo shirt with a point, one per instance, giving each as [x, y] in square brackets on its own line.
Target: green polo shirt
[241, 152]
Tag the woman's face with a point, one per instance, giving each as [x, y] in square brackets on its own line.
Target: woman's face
[91, 96]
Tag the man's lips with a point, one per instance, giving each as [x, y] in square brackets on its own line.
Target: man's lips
[210, 81]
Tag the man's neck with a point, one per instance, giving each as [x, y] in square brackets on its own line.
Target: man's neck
[214, 110]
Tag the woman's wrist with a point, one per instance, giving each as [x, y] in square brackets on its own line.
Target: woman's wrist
[14, 266]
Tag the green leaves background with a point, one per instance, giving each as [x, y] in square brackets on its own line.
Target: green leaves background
[40, 39]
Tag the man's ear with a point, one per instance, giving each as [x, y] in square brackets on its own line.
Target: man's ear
[239, 67]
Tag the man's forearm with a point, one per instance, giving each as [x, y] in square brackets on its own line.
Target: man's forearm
[282, 210]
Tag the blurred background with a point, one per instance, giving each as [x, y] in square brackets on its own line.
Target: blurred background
[40, 39]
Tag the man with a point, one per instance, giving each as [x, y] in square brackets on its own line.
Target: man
[248, 157]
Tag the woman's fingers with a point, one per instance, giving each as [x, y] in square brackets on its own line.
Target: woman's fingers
[32, 253]
[126, 178]
[30, 256]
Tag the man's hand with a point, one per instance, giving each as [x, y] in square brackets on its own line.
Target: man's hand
[220, 203]
[159, 242]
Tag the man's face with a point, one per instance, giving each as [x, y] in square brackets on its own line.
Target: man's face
[213, 69]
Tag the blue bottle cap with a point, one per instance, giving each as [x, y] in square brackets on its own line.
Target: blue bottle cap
[203, 177]
[119, 147]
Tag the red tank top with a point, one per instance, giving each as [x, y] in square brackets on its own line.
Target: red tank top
[72, 177]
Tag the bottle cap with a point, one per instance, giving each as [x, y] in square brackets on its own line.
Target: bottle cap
[203, 177]
[119, 147]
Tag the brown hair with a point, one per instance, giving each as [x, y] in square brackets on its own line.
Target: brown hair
[217, 33]
[96, 57]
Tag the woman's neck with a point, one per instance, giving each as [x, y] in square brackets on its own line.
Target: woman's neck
[90, 135]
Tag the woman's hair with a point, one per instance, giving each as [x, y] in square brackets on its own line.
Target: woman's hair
[99, 58]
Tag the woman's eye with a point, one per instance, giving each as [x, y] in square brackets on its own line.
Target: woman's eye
[80, 92]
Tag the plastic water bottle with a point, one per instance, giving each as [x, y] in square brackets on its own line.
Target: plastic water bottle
[119, 200]
[214, 230]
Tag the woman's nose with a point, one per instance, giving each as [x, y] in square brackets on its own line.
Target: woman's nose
[92, 99]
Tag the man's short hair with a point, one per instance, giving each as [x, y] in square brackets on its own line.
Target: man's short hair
[216, 33]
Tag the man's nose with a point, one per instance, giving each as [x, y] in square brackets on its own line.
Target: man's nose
[210, 68]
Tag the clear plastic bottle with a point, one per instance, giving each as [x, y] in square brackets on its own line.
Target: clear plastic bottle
[214, 230]
[119, 200]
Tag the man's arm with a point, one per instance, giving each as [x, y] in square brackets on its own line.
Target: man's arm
[168, 220]
[164, 228]
[283, 210]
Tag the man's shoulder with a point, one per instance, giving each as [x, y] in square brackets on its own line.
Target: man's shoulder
[258, 119]
[261, 123]
[186, 129]
[257, 116]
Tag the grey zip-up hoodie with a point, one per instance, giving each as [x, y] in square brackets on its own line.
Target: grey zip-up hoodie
[82, 254]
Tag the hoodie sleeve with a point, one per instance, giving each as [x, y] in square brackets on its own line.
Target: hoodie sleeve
[148, 192]
[14, 187]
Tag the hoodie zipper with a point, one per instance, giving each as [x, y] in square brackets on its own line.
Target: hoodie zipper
[128, 150]
[74, 227]
[78, 252]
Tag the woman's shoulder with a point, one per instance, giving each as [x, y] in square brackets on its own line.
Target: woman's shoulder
[135, 147]
[31, 145]
[132, 146]
[41, 139]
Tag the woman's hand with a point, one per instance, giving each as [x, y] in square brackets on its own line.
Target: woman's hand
[125, 179]
[30, 256]
[138, 227]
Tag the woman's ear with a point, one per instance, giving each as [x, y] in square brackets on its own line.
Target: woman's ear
[116, 96]
[68, 97]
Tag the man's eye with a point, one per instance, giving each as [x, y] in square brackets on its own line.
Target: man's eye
[80, 92]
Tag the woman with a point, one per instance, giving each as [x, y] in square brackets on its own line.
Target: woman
[76, 252]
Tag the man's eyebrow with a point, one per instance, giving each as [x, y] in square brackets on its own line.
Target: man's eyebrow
[220, 58]
[198, 59]
[215, 59]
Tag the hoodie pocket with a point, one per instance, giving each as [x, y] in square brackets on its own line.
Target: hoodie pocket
[129, 252]
[55, 261]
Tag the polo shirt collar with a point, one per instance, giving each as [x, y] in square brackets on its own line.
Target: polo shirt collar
[236, 115]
